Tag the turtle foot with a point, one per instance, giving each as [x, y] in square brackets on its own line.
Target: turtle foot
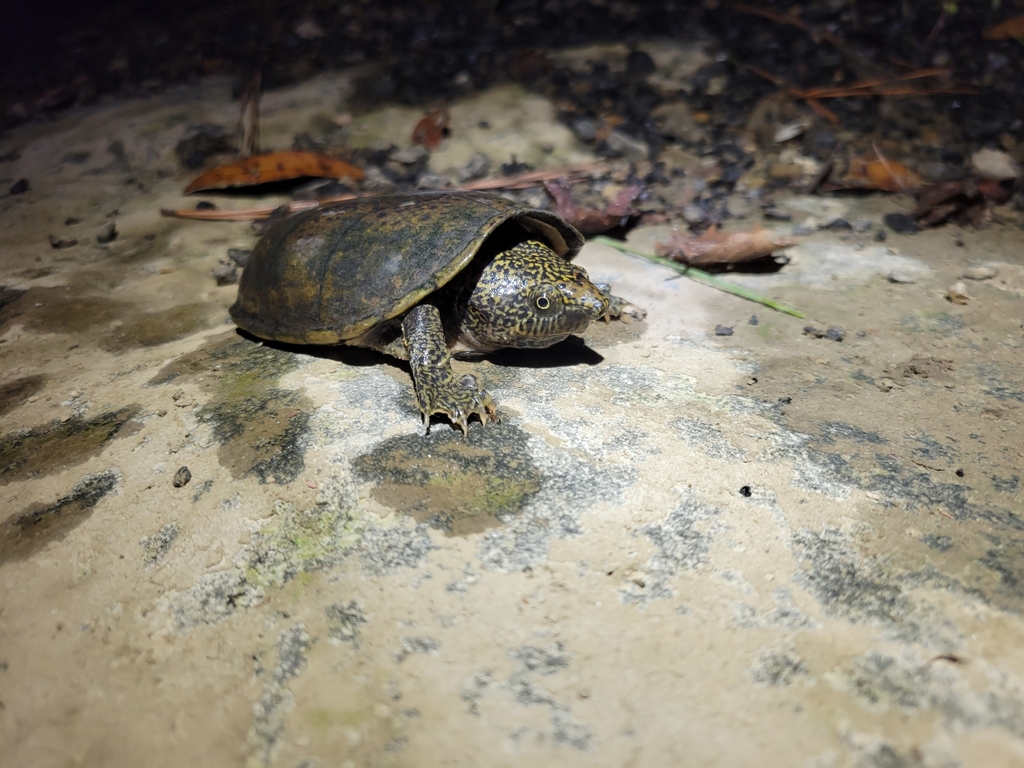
[458, 399]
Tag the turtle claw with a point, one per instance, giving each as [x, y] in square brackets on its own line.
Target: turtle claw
[458, 399]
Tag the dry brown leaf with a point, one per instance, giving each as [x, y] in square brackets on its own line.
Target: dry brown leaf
[590, 221]
[717, 247]
[431, 130]
[276, 166]
[883, 175]
[1010, 28]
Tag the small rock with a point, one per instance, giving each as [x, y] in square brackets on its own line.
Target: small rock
[737, 206]
[62, 242]
[621, 143]
[980, 273]
[409, 156]
[376, 180]
[885, 384]
[785, 171]
[839, 225]
[206, 205]
[834, 333]
[994, 164]
[957, 293]
[20, 187]
[675, 120]
[431, 180]
[107, 234]
[240, 256]
[478, 167]
[777, 214]
[904, 278]
[723, 330]
[881, 235]
[901, 223]
[790, 131]
[639, 64]
[71, 221]
[203, 142]
[584, 128]
[226, 273]
[693, 214]
[307, 28]
[862, 225]
[181, 477]
[753, 320]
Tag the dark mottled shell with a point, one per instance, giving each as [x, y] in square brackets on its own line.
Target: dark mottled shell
[329, 275]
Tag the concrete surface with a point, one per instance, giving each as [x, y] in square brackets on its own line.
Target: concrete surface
[676, 549]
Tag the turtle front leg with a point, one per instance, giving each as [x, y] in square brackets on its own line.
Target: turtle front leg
[619, 307]
[437, 388]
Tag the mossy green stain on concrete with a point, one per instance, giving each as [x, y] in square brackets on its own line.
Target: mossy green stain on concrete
[14, 393]
[23, 535]
[46, 449]
[458, 484]
[260, 427]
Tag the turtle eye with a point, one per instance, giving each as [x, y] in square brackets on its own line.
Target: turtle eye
[543, 299]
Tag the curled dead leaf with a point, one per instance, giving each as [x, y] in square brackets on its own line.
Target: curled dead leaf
[431, 130]
[883, 175]
[717, 247]
[275, 166]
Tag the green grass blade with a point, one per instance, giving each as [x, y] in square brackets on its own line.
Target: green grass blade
[699, 275]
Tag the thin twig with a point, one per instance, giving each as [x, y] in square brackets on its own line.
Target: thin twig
[882, 159]
[519, 181]
[698, 275]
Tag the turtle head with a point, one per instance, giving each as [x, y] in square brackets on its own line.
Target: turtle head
[528, 297]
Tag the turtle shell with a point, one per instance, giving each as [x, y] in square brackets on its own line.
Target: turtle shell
[328, 275]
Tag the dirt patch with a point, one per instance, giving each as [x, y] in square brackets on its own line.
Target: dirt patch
[14, 393]
[27, 533]
[458, 484]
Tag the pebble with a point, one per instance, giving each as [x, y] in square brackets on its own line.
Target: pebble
[901, 277]
[240, 256]
[621, 143]
[694, 214]
[862, 225]
[181, 477]
[431, 180]
[584, 128]
[62, 242]
[20, 187]
[737, 206]
[833, 333]
[723, 330]
[107, 234]
[478, 166]
[839, 225]
[957, 293]
[980, 273]
[901, 223]
[881, 235]
[994, 164]
[225, 273]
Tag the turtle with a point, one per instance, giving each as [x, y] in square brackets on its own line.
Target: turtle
[423, 277]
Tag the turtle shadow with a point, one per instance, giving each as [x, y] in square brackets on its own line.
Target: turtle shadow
[565, 354]
[570, 352]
